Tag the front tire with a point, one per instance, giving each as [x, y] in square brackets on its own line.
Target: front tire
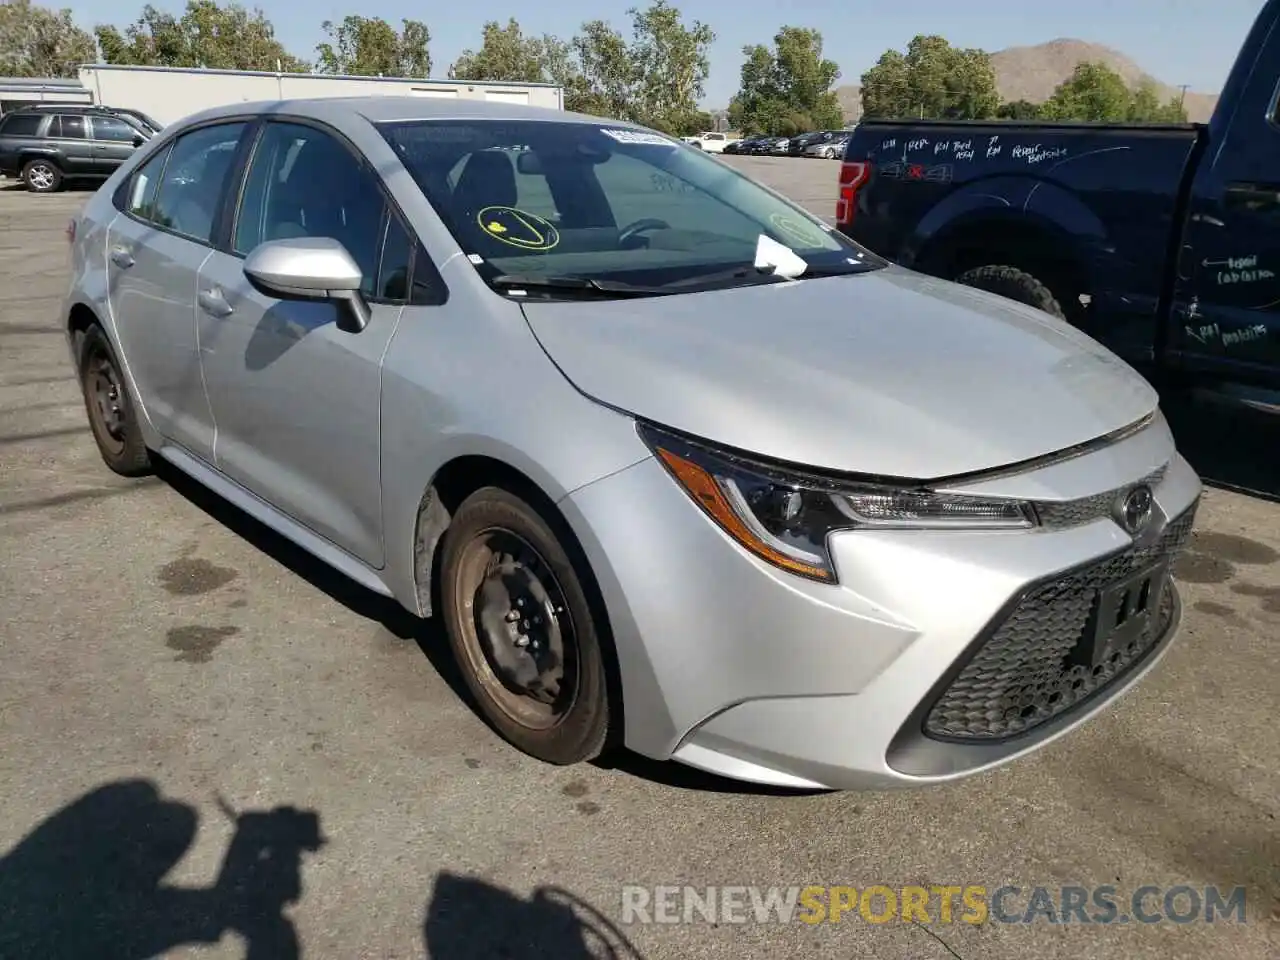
[523, 630]
[42, 176]
[1014, 284]
[112, 416]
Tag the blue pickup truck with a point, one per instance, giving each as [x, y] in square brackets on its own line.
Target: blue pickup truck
[1161, 241]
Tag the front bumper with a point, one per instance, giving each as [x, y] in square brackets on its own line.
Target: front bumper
[898, 676]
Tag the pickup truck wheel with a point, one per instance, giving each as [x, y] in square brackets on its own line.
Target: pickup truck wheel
[522, 629]
[42, 176]
[1016, 285]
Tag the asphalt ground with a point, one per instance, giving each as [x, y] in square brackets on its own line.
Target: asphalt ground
[187, 705]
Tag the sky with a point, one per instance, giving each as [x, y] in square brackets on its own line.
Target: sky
[1190, 42]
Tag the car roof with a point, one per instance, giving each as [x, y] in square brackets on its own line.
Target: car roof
[398, 108]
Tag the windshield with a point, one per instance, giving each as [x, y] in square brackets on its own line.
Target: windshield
[597, 202]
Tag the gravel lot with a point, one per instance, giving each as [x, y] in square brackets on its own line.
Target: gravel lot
[161, 652]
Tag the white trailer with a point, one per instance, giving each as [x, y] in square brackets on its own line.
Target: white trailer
[171, 93]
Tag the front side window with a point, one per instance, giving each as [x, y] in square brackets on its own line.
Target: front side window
[113, 129]
[302, 182]
[194, 178]
[596, 202]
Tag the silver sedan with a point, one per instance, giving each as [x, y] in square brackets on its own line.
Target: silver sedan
[679, 467]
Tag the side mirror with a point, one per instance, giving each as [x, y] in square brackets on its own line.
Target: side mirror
[139, 139]
[310, 268]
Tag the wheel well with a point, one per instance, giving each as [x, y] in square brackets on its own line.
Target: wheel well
[79, 321]
[452, 484]
[25, 158]
[1013, 244]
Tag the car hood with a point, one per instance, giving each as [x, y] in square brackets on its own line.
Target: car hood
[889, 373]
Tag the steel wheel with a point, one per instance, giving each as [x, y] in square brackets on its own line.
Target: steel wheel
[521, 637]
[106, 402]
[110, 407]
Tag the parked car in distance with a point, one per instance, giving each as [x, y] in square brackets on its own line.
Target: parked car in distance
[831, 148]
[45, 148]
[713, 142]
[780, 146]
[136, 117]
[1159, 240]
[930, 532]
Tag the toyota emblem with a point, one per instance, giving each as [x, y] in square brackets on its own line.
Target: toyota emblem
[1135, 510]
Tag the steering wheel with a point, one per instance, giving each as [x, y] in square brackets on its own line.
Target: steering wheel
[633, 230]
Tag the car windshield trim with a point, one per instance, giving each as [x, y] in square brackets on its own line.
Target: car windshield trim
[610, 202]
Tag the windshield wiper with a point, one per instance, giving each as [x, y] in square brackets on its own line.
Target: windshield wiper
[576, 285]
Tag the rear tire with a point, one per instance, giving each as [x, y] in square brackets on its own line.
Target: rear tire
[42, 176]
[112, 416]
[523, 630]
[1014, 284]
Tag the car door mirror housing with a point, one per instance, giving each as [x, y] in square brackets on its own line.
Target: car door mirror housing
[139, 139]
[310, 268]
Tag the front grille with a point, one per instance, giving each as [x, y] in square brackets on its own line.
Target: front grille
[1073, 513]
[1025, 674]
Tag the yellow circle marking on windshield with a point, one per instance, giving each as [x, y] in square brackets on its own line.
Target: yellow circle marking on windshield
[797, 230]
[518, 228]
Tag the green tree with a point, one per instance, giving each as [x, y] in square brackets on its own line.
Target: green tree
[655, 79]
[1093, 92]
[1145, 106]
[931, 80]
[1019, 110]
[505, 54]
[40, 42]
[206, 35]
[371, 47]
[786, 90]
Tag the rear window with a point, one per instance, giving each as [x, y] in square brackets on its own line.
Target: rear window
[597, 201]
[21, 125]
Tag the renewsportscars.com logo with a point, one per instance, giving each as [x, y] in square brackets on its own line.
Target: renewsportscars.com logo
[972, 904]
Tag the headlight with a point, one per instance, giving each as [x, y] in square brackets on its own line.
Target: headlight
[784, 517]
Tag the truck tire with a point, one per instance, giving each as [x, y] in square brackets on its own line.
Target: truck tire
[1016, 285]
[42, 176]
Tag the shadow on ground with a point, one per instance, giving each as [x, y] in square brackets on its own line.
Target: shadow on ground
[89, 880]
[468, 919]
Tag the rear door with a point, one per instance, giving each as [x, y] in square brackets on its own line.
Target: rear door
[154, 252]
[113, 142]
[70, 132]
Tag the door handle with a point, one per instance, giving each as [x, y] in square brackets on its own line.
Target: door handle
[121, 257]
[213, 302]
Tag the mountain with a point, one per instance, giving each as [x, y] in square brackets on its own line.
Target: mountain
[1032, 73]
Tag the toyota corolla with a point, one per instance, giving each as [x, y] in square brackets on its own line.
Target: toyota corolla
[679, 467]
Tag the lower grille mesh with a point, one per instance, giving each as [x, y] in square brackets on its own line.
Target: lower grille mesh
[1024, 675]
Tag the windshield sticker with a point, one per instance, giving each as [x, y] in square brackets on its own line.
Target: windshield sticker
[475, 258]
[518, 228]
[797, 230]
[638, 136]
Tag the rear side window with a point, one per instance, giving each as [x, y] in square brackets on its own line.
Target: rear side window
[22, 125]
[67, 126]
[193, 180]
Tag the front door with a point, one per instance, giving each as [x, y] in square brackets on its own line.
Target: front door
[296, 399]
[154, 251]
[113, 142]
